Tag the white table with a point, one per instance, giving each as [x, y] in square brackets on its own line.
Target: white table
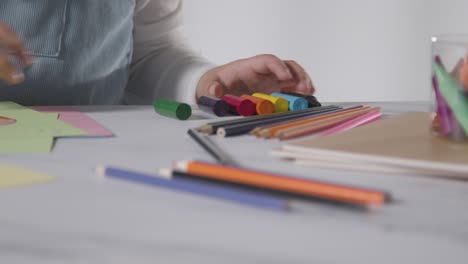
[81, 218]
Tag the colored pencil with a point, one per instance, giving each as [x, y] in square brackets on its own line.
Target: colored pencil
[271, 131]
[210, 128]
[206, 143]
[196, 187]
[257, 131]
[244, 128]
[286, 184]
[309, 128]
[290, 197]
[355, 122]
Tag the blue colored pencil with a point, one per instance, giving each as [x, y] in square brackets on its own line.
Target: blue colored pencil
[195, 187]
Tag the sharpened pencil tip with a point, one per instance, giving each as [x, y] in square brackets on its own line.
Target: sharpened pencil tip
[181, 165]
[206, 129]
[221, 132]
[100, 170]
[165, 172]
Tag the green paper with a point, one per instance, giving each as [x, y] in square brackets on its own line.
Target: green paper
[33, 131]
[27, 145]
[451, 90]
[33, 124]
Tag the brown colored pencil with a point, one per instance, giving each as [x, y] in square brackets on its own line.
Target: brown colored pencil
[307, 129]
[271, 131]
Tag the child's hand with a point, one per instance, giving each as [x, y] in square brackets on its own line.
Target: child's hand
[262, 73]
[10, 45]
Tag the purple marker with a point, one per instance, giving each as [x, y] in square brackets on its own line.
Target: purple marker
[213, 105]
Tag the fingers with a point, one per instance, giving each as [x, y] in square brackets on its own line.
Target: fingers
[210, 87]
[10, 41]
[263, 73]
[304, 83]
[267, 64]
[8, 72]
[10, 45]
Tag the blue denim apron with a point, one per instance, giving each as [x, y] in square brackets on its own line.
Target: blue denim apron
[81, 48]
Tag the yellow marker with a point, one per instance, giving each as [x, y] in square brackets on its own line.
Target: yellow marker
[281, 105]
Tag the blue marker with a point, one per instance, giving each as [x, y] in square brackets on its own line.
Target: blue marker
[197, 187]
[295, 103]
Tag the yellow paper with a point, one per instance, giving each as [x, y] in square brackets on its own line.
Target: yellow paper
[12, 176]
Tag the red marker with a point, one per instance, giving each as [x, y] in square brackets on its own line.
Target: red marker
[239, 106]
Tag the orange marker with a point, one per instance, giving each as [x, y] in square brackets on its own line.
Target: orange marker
[284, 184]
[262, 106]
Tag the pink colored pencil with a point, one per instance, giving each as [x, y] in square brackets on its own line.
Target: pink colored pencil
[355, 122]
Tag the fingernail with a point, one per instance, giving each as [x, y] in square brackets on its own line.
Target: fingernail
[213, 90]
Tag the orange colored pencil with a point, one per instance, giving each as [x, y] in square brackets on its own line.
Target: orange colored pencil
[309, 128]
[284, 184]
[271, 131]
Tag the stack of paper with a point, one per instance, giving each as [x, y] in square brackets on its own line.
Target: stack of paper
[33, 131]
[404, 143]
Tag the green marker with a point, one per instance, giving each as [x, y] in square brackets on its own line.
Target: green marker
[172, 109]
[453, 95]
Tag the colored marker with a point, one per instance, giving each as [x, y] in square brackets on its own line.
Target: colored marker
[310, 99]
[196, 187]
[262, 106]
[239, 106]
[284, 184]
[213, 105]
[295, 103]
[172, 109]
[281, 105]
[451, 91]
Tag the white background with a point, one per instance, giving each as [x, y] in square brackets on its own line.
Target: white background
[354, 50]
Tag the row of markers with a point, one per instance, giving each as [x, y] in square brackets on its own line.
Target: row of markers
[257, 103]
[245, 105]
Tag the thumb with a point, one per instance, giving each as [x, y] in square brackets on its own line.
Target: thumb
[213, 89]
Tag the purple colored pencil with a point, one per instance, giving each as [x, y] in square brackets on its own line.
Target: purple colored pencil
[196, 187]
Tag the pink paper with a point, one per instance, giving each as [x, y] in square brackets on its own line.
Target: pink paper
[76, 119]
[355, 122]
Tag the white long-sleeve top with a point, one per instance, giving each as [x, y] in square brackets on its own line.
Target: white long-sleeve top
[163, 65]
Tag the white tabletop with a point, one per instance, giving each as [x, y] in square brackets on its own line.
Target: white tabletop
[81, 218]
